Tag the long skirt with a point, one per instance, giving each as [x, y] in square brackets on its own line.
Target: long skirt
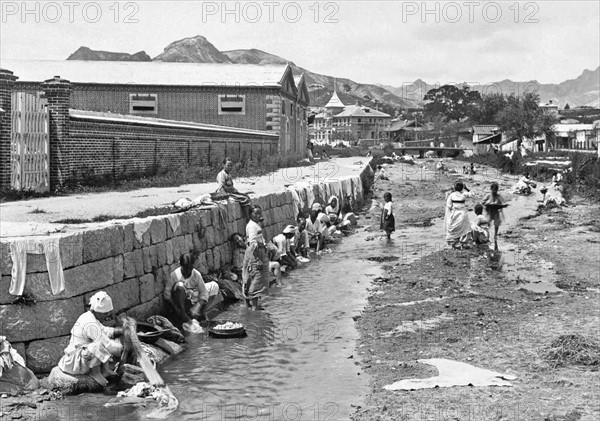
[458, 226]
[256, 275]
[388, 224]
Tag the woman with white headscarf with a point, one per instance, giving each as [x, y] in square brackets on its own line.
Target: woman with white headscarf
[457, 223]
[91, 345]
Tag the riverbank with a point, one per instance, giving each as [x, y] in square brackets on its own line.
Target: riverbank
[481, 309]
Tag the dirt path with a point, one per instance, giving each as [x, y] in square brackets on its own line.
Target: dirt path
[474, 314]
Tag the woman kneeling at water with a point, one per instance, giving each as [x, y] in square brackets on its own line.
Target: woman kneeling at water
[457, 222]
[91, 347]
[188, 295]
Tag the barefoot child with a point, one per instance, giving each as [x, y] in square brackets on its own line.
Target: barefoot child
[494, 203]
[480, 228]
[388, 223]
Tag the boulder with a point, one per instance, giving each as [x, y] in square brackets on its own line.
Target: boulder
[170, 347]
[70, 384]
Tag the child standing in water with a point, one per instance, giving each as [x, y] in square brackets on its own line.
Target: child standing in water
[494, 203]
[388, 223]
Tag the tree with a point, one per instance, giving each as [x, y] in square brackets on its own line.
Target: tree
[455, 103]
[347, 88]
[567, 106]
[522, 118]
[488, 108]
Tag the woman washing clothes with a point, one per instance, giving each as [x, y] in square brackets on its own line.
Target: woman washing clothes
[188, 295]
[255, 269]
[92, 345]
[225, 182]
[333, 210]
[456, 221]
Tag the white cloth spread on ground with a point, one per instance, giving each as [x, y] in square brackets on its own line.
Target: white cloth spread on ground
[47, 246]
[453, 373]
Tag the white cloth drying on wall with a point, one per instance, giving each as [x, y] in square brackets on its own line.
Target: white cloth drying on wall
[18, 253]
[140, 226]
[174, 221]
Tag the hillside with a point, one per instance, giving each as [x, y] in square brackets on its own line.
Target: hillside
[85, 53]
[583, 90]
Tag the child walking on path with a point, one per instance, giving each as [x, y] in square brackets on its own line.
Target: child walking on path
[494, 203]
[388, 223]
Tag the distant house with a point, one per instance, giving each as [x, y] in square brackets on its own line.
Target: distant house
[339, 123]
[403, 130]
[486, 138]
[232, 95]
[550, 107]
[576, 137]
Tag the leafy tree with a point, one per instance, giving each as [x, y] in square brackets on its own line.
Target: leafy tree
[567, 106]
[347, 88]
[488, 108]
[453, 102]
[522, 118]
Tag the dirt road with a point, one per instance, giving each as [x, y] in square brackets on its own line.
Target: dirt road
[478, 307]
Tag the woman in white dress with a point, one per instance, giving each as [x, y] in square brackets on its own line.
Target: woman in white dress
[457, 221]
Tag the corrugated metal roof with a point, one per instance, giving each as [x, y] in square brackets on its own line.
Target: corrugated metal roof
[358, 111]
[485, 130]
[147, 73]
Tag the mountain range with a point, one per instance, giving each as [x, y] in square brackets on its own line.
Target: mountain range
[584, 90]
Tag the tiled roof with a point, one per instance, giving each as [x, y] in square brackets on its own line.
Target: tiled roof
[485, 130]
[358, 111]
[147, 73]
[335, 101]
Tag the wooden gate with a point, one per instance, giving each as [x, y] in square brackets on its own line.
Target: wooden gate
[30, 142]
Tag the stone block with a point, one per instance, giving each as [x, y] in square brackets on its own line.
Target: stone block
[45, 354]
[169, 347]
[205, 217]
[288, 197]
[71, 250]
[124, 295]
[216, 252]
[78, 280]
[5, 259]
[201, 263]
[147, 292]
[133, 263]
[118, 273]
[72, 385]
[20, 348]
[241, 227]
[169, 251]
[237, 212]
[129, 240]
[154, 256]
[188, 243]
[143, 311]
[45, 319]
[147, 259]
[102, 243]
[208, 254]
[187, 224]
[162, 254]
[158, 230]
[210, 237]
[181, 248]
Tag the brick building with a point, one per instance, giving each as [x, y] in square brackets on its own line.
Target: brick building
[233, 95]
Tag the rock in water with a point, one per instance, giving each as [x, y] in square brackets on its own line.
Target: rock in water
[70, 384]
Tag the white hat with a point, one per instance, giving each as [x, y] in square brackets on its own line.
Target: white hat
[101, 302]
[317, 206]
[290, 229]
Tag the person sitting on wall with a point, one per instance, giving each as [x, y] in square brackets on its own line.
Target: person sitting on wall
[188, 295]
[225, 182]
[287, 256]
[91, 348]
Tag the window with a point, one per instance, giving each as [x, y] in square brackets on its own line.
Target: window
[143, 104]
[232, 104]
[283, 107]
[292, 110]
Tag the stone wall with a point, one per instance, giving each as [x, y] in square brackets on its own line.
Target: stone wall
[131, 260]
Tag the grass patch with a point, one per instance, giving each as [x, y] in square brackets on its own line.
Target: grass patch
[38, 210]
[572, 350]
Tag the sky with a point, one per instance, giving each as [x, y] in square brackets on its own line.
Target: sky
[387, 42]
